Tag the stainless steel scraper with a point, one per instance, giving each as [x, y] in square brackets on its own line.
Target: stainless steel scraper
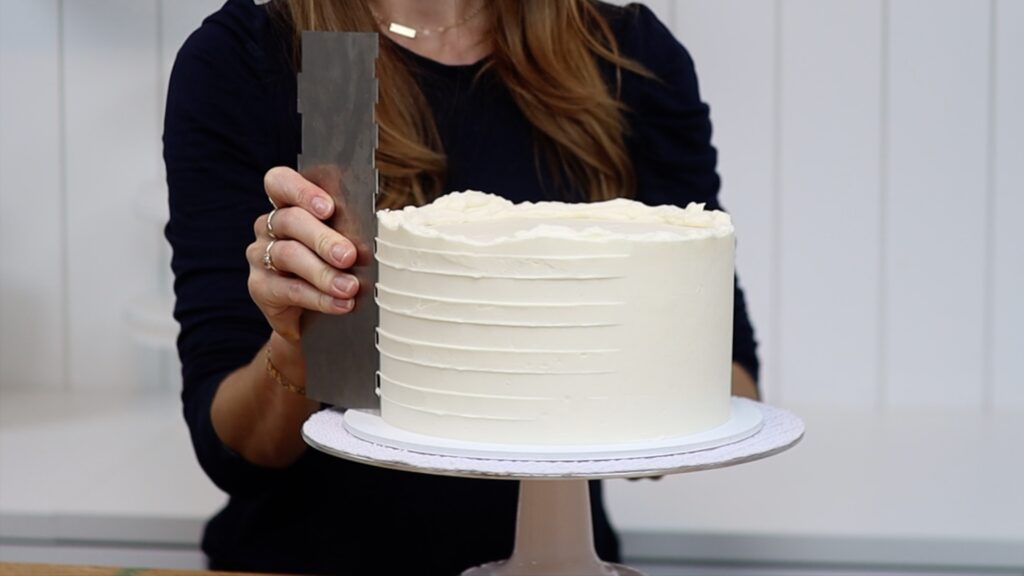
[337, 94]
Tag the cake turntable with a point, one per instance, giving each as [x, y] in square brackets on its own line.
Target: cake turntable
[553, 531]
[338, 86]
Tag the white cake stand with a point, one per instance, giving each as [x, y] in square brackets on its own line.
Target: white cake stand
[553, 532]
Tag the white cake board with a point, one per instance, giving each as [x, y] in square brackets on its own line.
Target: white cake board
[553, 532]
[779, 430]
[745, 420]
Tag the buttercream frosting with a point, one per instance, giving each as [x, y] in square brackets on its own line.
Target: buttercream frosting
[554, 323]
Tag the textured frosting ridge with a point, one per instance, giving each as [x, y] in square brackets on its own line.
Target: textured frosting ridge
[473, 206]
[554, 323]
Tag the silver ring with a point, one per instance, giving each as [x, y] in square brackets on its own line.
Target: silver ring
[270, 224]
[268, 260]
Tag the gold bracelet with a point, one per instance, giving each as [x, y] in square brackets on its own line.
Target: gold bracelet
[279, 378]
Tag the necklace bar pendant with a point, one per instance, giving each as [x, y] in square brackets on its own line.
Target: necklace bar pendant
[397, 28]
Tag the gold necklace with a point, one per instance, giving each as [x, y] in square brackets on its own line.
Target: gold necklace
[412, 33]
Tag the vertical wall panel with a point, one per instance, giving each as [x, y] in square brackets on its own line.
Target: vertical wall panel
[1008, 249]
[110, 54]
[830, 196]
[936, 202]
[32, 311]
[733, 45]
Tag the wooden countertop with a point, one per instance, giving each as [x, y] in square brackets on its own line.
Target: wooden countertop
[8, 569]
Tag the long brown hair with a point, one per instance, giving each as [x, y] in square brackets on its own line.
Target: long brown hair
[546, 52]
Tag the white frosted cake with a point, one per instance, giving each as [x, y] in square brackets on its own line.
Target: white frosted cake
[554, 323]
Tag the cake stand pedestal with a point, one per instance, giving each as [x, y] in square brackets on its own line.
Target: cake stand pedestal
[554, 535]
[553, 532]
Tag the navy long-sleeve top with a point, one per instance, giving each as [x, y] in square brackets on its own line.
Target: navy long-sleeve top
[231, 116]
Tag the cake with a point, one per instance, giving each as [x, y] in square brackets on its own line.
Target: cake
[553, 323]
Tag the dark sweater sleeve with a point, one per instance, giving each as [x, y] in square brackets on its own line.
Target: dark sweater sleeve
[670, 136]
[219, 140]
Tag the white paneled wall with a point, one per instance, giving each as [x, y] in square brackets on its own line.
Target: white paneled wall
[872, 155]
[111, 74]
[81, 188]
[935, 203]
[1006, 245]
[829, 182]
[33, 287]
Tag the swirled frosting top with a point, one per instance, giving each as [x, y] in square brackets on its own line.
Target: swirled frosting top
[480, 218]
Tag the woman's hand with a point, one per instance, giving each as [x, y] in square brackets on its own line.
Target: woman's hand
[297, 262]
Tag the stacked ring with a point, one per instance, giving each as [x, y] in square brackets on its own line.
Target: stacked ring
[270, 224]
[268, 260]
